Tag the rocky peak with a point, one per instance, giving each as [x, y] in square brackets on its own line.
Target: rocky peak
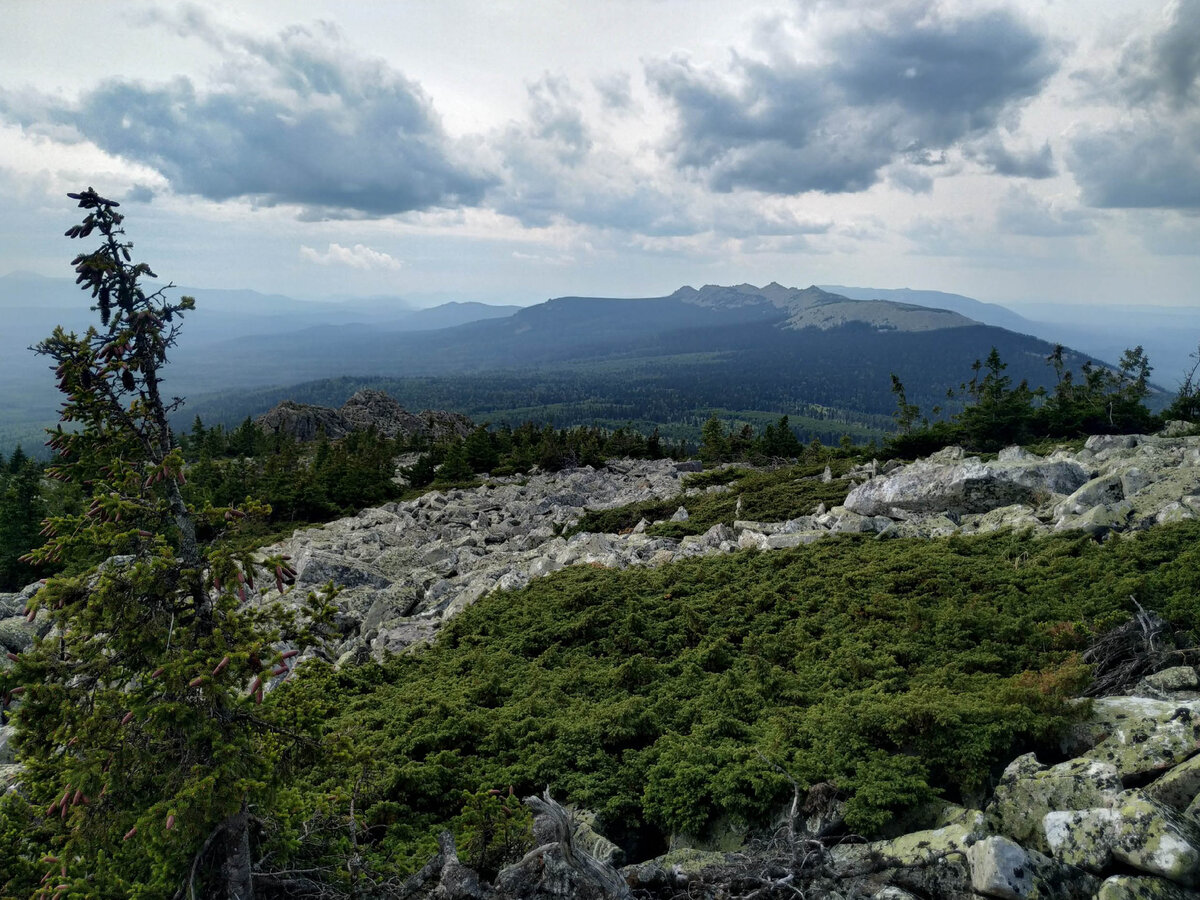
[304, 421]
[366, 408]
[369, 407]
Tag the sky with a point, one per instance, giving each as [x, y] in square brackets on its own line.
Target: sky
[504, 151]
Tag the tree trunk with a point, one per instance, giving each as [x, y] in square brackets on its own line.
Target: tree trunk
[235, 878]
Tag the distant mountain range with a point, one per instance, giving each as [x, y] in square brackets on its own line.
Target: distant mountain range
[819, 355]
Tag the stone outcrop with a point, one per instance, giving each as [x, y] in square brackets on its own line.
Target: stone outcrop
[365, 409]
[303, 421]
[1117, 483]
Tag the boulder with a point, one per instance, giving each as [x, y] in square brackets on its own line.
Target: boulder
[1017, 517]
[964, 486]
[1135, 887]
[1142, 736]
[950, 840]
[1028, 791]
[1004, 869]
[16, 635]
[1177, 682]
[1099, 491]
[1178, 788]
[1136, 831]
[7, 757]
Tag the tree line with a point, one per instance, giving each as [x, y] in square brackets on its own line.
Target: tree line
[996, 413]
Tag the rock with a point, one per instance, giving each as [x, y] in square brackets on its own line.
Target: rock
[1134, 887]
[920, 846]
[1177, 428]
[1179, 788]
[16, 635]
[367, 408]
[592, 842]
[7, 756]
[1028, 791]
[1137, 831]
[1017, 517]
[303, 421]
[1099, 520]
[788, 541]
[1169, 682]
[1016, 454]
[1144, 736]
[1099, 491]
[965, 486]
[1101, 442]
[1004, 869]
[317, 568]
[681, 515]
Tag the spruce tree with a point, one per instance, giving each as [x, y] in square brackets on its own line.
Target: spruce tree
[139, 713]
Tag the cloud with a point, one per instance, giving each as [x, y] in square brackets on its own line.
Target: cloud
[359, 256]
[1148, 157]
[991, 152]
[891, 89]
[616, 91]
[1024, 214]
[1148, 165]
[297, 119]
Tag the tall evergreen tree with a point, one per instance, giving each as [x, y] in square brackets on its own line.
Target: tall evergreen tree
[140, 726]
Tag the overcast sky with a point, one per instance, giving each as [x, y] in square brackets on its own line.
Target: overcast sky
[514, 150]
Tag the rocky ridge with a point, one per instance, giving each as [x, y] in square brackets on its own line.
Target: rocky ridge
[366, 408]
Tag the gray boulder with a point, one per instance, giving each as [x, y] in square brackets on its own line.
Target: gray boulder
[964, 486]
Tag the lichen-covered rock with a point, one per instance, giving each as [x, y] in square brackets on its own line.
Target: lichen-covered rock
[1153, 839]
[1178, 787]
[6, 748]
[1017, 517]
[1176, 678]
[16, 635]
[1134, 887]
[1136, 831]
[1143, 735]
[1004, 869]
[1028, 791]
[921, 846]
[1099, 491]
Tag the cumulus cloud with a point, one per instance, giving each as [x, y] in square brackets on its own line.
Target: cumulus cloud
[359, 256]
[298, 119]
[555, 170]
[889, 90]
[1148, 158]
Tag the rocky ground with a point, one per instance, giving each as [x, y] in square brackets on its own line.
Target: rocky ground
[406, 567]
[1116, 816]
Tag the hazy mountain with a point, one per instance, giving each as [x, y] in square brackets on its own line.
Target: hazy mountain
[747, 349]
[32, 305]
[987, 313]
[1169, 334]
[822, 358]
